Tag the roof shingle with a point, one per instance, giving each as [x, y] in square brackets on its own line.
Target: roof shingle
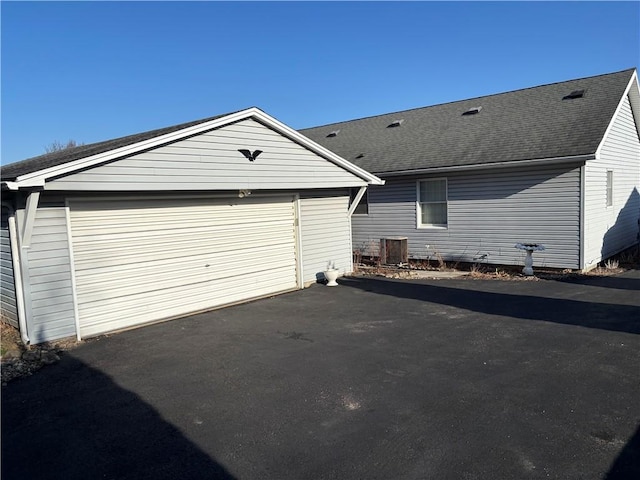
[41, 162]
[533, 123]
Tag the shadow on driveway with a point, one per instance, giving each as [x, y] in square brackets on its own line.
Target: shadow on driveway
[591, 314]
[627, 465]
[616, 282]
[445, 382]
[74, 422]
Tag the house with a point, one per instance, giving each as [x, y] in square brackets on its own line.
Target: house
[557, 165]
[166, 223]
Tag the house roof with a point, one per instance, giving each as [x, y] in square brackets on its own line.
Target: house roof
[529, 124]
[34, 172]
[34, 164]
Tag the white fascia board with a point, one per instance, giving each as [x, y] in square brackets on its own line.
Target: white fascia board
[317, 148]
[480, 166]
[39, 178]
[634, 97]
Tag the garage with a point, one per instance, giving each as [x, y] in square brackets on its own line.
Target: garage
[162, 224]
[138, 261]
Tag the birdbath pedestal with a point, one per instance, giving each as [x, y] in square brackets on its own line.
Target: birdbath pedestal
[528, 261]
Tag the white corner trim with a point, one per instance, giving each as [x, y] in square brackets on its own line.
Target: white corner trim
[299, 246]
[636, 115]
[38, 178]
[582, 218]
[72, 264]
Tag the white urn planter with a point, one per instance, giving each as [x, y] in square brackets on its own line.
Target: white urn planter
[331, 275]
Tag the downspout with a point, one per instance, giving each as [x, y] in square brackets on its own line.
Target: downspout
[23, 242]
[17, 278]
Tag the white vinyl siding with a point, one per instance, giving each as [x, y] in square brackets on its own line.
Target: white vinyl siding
[51, 306]
[610, 229]
[326, 235]
[211, 161]
[432, 203]
[489, 211]
[138, 261]
[8, 306]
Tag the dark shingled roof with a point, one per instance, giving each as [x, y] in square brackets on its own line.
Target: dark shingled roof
[534, 123]
[30, 165]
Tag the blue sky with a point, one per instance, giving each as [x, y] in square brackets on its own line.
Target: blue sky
[92, 71]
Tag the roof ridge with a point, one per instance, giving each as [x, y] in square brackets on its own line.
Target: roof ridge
[632, 69]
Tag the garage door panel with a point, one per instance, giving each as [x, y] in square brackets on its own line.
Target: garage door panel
[143, 235]
[114, 283]
[100, 317]
[110, 270]
[104, 235]
[151, 260]
[137, 251]
[147, 213]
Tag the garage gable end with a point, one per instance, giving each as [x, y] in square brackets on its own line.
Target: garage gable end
[242, 155]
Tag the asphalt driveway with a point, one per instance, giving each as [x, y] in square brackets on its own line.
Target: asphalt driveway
[375, 379]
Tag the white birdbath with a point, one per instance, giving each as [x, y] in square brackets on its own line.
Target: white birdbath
[528, 261]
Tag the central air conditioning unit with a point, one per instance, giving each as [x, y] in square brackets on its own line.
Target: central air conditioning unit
[394, 250]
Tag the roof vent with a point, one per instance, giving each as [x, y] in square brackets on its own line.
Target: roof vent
[574, 94]
[395, 123]
[472, 111]
[333, 134]
[360, 155]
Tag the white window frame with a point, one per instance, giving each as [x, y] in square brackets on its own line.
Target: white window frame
[419, 223]
[609, 189]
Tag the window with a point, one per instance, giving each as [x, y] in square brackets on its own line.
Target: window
[363, 206]
[432, 203]
[609, 188]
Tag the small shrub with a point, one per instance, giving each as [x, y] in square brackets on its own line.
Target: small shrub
[611, 264]
[441, 265]
[630, 256]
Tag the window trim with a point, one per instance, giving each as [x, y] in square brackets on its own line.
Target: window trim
[608, 202]
[363, 201]
[432, 226]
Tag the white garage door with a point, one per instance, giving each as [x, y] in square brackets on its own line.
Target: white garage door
[138, 261]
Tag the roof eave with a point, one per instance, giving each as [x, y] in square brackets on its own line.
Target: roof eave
[480, 166]
[38, 178]
[319, 149]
